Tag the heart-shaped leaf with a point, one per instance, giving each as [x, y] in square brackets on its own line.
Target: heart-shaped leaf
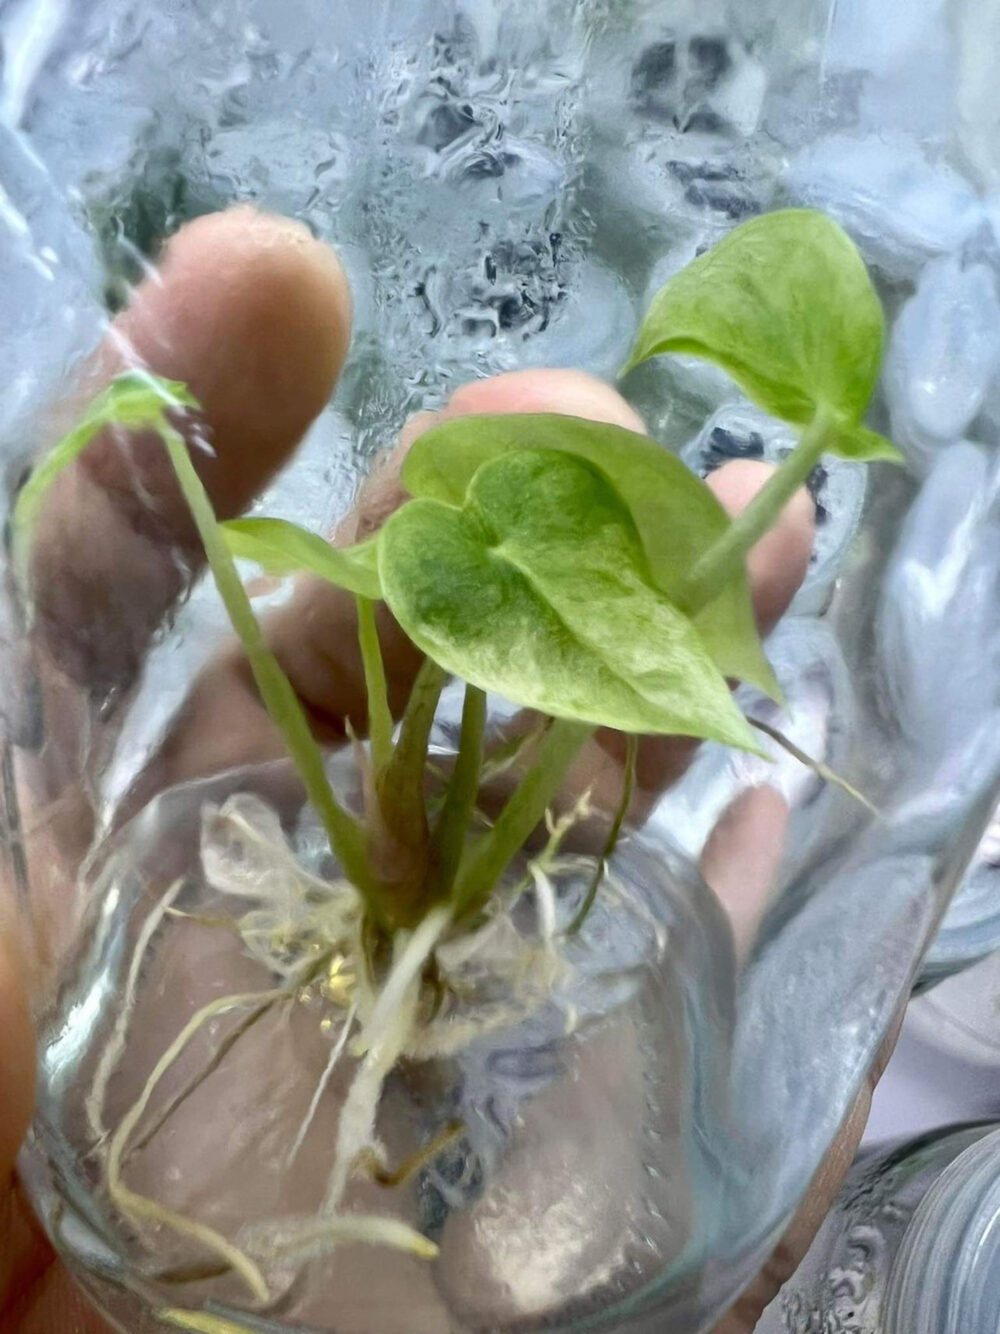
[281, 548]
[538, 588]
[676, 515]
[785, 305]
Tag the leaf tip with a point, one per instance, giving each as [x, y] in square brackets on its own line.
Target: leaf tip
[890, 453]
[636, 359]
[866, 446]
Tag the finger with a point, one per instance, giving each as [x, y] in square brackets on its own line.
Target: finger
[223, 723]
[741, 859]
[254, 316]
[567, 393]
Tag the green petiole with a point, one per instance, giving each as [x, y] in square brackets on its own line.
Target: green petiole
[455, 819]
[379, 715]
[821, 770]
[726, 557]
[495, 851]
[276, 691]
[135, 399]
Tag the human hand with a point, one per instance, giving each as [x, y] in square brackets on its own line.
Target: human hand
[255, 317]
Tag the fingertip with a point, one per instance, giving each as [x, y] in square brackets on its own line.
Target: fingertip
[563, 392]
[780, 561]
[254, 315]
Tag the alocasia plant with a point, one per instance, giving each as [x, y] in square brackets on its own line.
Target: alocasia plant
[575, 568]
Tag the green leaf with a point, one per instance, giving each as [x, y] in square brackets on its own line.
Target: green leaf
[538, 588]
[677, 516]
[281, 548]
[864, 446]
[134, 401]
[785, 305]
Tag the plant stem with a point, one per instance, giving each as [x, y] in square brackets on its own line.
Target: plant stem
[723, 559]
[525, 808]
[276, 691]
[628, 788]
[379, 715]
[403, 781]
[415, 730]
[448, 842]
[399, 835]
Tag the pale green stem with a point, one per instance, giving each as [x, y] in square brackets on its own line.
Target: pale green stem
[448, 842]
[403, 781]
[722, 561]
[32, 495]
[379, 714]
[276, 691]
[523, 811]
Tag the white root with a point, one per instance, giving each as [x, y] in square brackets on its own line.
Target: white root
[384, 1039]
[318, 1236]
[253, 821]
[321, 1087]
[115, 1045]
[139, 1207]
[298, 920]
[545, 903]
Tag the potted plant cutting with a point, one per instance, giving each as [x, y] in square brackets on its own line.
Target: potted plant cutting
[575, 569]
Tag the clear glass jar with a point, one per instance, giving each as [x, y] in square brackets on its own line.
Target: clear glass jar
[506, 183]
[557, 1093]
